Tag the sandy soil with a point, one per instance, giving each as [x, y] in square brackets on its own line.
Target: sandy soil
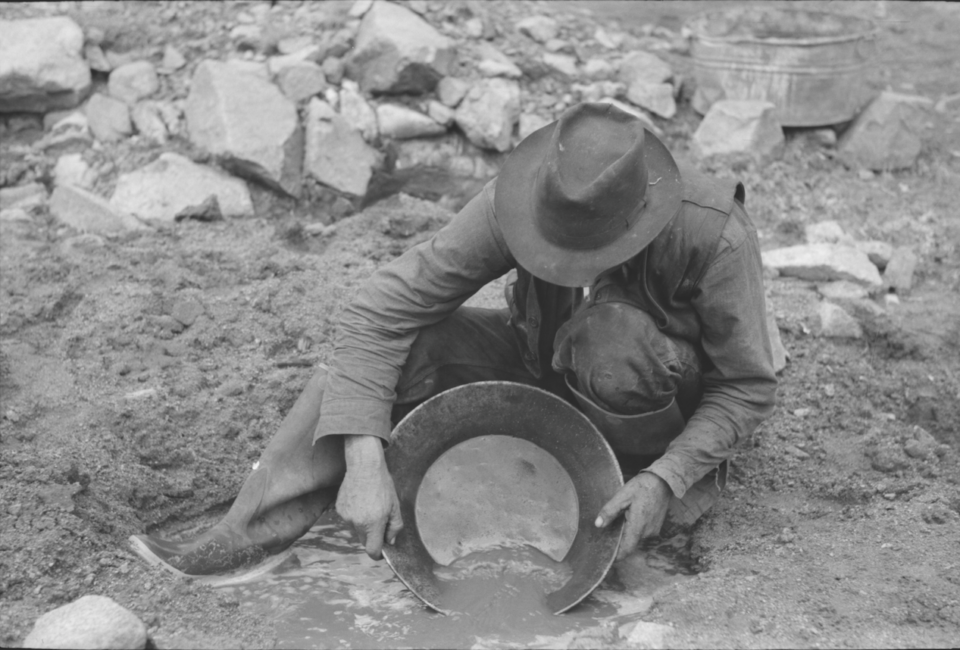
[117, 418]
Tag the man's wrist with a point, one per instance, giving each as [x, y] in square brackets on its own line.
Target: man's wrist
[363, 451]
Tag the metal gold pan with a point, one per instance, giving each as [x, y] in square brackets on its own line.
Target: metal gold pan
[501, 464]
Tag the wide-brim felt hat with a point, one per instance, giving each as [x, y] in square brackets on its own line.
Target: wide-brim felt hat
[585, 194]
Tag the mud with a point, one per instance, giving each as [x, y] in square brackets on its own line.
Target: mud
[331, 595]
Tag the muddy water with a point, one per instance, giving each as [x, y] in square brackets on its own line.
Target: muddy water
[331, 595]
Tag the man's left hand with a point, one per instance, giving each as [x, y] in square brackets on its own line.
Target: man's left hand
[643, 502]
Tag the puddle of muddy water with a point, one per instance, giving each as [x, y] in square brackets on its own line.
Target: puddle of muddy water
[331, 595]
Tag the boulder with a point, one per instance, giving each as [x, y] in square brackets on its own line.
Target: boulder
[843, 291]
[826, 232]
[302, 81]
[565, 64]
[898, 275]
[22, 196]
[879, 252]
[401, 123]
[88, 622]
[69, 132]
[336, 153]
[598, 69]
[451, 90]
[656, 98]
[734, 127]
[309, 54]
[823, 263]
[96, 59]
[155, 120]
[609, 40]
[644, 67]
[488, 112]
[172, 184]
[132, 82]
[396, 51]
[886, 134]
[650, 636]
[41, 65]
[494, 63]
[440, 113]
[109, 118]
[293, 44]
[539, 28]
[836, 323]
[72, 169]
[173, 60]
[357, 112]
[333, 69]
[248, 123]
[88, 212]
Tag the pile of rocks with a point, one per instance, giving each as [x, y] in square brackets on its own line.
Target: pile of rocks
[382, 88]
[847, 274]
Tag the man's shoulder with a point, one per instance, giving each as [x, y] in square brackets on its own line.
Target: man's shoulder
[709, 192]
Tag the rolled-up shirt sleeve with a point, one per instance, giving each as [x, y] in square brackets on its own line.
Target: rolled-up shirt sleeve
[420, 288]
[740, 387]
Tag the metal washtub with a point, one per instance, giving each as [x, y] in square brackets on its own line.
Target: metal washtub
[812, 65]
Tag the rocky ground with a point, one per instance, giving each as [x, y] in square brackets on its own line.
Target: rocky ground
[142, 369]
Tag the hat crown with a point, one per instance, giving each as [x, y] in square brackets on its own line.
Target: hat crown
[591, 183]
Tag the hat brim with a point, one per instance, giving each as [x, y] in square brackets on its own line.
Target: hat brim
[515, 207]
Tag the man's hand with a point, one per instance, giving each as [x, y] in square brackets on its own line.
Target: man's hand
[367, 499]
[644, 501]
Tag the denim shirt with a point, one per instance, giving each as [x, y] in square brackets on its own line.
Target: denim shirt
[722, 311]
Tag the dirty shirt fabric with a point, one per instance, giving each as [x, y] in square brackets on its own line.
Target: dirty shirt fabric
[700, 280]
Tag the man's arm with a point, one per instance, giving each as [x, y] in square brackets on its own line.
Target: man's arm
[740, 390]
[421, 287]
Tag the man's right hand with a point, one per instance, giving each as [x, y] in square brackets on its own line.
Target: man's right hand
[367, 499]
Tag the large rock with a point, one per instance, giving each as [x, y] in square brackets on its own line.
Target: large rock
[451, 91]
[899, 272]
[564, 64]
[402, 123]
[22, 196]
[734, 127]
[879, 252]
[89, 622]
[886, 134]
[72, 169]
[836, 323]
[488, 112]
[493, 63]
[88, 212]
[357, 112]
[109, 118]
[826, 232]
[248, 123]
[645, 635]
[302, 81]
[336, 154]
[134, 81]
[41, 65]
[173, 184]
[644, 67]
[824, 263]
[396, 51]
[539, 28]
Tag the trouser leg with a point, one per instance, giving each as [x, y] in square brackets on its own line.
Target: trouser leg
[471, 345]
[294, 482]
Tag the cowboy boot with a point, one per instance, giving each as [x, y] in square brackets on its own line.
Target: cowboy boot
[295, 482]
